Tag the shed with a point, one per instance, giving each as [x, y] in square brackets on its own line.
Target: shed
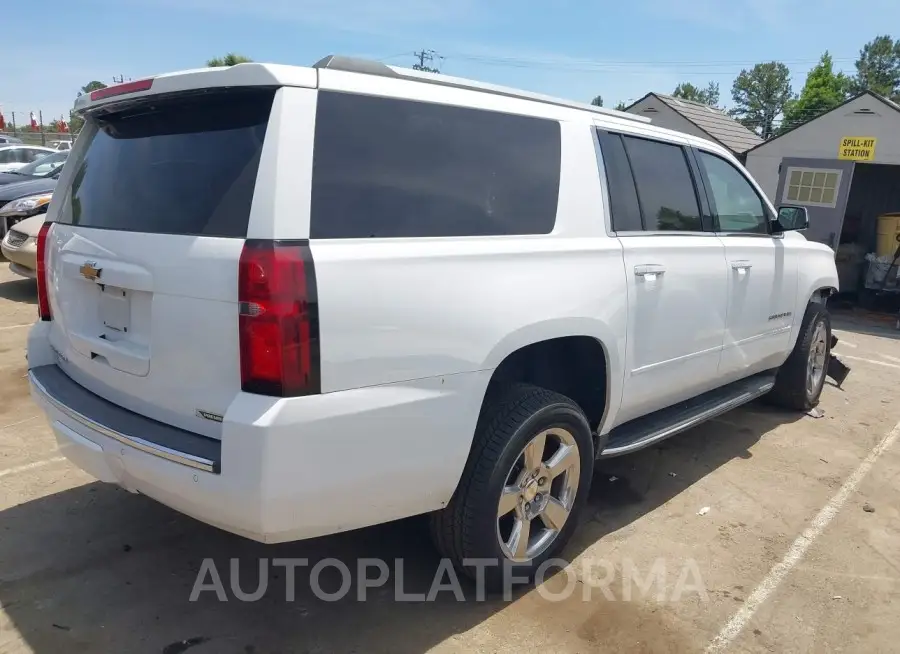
[844, 166]
[698, 119]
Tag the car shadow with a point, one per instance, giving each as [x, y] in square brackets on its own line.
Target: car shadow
[19, 290]
[96, 569]
[869, 323]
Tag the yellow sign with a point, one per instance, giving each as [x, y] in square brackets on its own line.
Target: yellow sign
[857, 148]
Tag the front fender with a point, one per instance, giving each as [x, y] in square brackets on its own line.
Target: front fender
[817, 272]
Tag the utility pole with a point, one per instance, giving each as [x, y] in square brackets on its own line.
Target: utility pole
[429, 56]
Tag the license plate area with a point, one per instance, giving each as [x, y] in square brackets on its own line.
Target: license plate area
[115, 311]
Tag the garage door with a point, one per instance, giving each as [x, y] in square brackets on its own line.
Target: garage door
[822, 186]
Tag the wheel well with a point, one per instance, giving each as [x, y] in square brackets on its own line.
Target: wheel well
[821, 295]
[574, 366]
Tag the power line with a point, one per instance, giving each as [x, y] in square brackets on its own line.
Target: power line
[429, 56]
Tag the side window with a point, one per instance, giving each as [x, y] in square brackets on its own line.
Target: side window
[665, 187]
[623, 202]
[384, 167]
[736, 202]
[7, 155]
[34, 155]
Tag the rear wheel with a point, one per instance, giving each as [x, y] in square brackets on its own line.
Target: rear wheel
[801, 378]
[526, 480]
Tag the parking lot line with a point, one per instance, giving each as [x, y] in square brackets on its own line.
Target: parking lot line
[20, 422]
[31, 466]
[873, 361]
[798, 549]
[28, 324]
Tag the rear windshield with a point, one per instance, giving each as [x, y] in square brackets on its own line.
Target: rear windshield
[177, 166]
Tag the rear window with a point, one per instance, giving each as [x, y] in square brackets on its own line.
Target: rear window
[395, 168]
[173, 166]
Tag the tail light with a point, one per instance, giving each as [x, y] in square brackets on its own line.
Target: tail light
[43, 298]
[278, 319]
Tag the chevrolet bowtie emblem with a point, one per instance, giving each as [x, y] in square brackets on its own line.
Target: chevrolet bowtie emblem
[90, 270]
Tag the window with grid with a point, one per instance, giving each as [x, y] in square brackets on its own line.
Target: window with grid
[812, 186]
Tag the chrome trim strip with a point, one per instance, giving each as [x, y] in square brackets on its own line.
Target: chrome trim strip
[132, 441]
[666, 432]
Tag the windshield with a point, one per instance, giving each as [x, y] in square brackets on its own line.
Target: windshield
[44, 166]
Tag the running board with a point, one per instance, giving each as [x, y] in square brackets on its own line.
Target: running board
[651, 429]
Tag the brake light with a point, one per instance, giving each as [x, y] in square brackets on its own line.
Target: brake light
[121, 89]
[43, 298]
[278, 320]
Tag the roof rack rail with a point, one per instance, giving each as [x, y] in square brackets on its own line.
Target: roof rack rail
[368, 67]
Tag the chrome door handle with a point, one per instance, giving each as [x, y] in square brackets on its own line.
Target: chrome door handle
[649, 271]
[741, 266]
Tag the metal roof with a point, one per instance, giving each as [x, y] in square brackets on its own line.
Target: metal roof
[715, 122]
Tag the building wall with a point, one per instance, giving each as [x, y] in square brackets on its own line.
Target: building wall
[666, 117]
[820, 139]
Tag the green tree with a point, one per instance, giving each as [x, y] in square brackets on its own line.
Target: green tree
[709, 95]
[76, 122]
[760, 96]
[878, 67]
[824, 89]
[229, 59]
[597, 101]
[621, 106]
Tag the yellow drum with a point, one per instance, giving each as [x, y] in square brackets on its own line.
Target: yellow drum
[888, 234]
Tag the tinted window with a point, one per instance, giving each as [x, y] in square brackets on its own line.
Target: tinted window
[385, 167]
[7, 155]
[623, 203]
[737, 204]
[665, 187]
[45, 164]
[30, 155]
[178, 166]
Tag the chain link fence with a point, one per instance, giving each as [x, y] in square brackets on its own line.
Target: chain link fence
[41, 137]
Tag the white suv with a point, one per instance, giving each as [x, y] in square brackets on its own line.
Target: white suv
[295, 301]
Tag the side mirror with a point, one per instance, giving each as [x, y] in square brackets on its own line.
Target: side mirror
[791, 218]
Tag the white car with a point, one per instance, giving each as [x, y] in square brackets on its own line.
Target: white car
[347, 294]
[14, 156]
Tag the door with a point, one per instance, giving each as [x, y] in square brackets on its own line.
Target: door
[822, 186]
[676, 280]
[762, 271]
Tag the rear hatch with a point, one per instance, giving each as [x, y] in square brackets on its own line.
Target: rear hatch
[151, 217]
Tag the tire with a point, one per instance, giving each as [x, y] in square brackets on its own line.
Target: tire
[469, 527]
[796, 387]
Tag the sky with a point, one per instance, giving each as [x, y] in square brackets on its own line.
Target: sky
[574, 49]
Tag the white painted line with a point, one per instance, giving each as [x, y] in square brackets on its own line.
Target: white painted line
[31, 466]
[795, 554]
[21, 422]
[16, 326]
[877, 363]
[889, 358]
[842, 341]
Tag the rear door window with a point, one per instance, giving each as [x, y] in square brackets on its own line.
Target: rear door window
[173, 165]
[665, 186]
[384, 167]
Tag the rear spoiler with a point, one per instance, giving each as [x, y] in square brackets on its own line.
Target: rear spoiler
[239, 75]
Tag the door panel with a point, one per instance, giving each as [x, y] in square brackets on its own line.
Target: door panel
[762, 273]
[822, 186]
[762, 283]
[677, 289]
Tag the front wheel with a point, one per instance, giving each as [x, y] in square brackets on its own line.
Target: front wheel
[526, 480]
[801, 378]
